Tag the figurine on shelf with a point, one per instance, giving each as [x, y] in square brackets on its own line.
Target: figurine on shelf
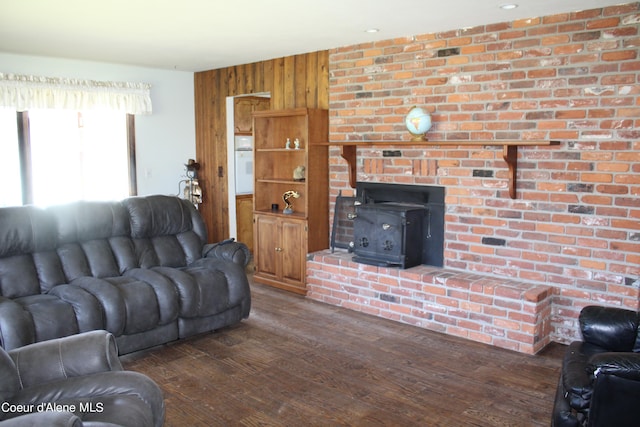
[298, 173]
[288, 206]
[296, 144]
[288, 144]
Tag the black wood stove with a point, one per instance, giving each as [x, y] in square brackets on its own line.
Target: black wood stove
[398, 225]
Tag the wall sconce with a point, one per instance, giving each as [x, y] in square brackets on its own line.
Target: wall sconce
[191, 191]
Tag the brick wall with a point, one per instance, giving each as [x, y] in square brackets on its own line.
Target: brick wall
[575, 78]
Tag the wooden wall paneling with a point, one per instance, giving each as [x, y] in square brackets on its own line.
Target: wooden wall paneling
[244, 79]
[207, 84]
[311, 79]
[277, 101]
[258, 77]
[247, 79]
[232, 77]
[322, 80]
[268, 68]
[293, 81]
[202, 86]
[289, 89]
[300, 82]
[219, 172]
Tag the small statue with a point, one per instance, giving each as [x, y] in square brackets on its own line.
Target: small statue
[288, 144]
[298, 173]
[296, 144]
[288, 206]
[192, 190]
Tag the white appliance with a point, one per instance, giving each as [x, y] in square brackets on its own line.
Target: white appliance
[244, 164]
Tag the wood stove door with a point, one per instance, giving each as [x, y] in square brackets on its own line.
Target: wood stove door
[378, 234]
[389, 235]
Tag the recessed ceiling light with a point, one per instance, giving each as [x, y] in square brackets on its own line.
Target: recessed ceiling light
[372, 30]
[508, 6]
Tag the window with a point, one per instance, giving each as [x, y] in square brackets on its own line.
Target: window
[10, 181]
[71, 156]
[72, 139]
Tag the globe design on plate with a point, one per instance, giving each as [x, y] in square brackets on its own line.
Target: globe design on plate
[418, 122]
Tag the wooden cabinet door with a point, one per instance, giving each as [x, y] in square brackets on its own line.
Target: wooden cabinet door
[242, 108]
[293, 251]
[281, 248]
[267, 243]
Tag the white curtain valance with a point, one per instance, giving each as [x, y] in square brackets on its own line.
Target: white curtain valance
[24, 92]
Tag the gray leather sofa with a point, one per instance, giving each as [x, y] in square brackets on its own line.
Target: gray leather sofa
[75, 381]
[139, 268]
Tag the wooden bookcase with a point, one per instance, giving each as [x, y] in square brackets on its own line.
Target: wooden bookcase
[282, 241]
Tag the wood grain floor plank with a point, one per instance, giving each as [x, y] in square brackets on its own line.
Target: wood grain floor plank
[298, 362]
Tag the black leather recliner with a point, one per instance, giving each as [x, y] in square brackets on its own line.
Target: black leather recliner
[600, 378]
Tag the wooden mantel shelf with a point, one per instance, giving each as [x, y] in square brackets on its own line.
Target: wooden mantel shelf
[510, 153]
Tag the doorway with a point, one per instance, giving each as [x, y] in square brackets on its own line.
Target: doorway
[240, 162]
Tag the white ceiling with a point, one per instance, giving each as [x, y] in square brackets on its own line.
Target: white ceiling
[196, 35]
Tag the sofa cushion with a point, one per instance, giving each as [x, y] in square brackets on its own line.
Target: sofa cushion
[52, 317]
[163, 231]
[84, 221]
[30, 274]
[24, 230]
[93, 239]
[202, 291]
[138, 301]
[154, 216]
[34, 318]
[18, 276]
[49, 270]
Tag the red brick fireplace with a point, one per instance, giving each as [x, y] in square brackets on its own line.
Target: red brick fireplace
[516, 271]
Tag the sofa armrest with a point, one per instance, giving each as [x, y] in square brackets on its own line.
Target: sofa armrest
[563, 415]
[576, 379]
[72, 356]
[228, 250]
[47, 418]
[625, 365]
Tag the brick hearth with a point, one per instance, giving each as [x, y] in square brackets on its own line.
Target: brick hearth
[505, 313]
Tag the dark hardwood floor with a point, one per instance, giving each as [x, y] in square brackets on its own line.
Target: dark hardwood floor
[296, 362]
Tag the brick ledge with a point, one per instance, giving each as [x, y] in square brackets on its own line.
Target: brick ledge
[505, 313]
